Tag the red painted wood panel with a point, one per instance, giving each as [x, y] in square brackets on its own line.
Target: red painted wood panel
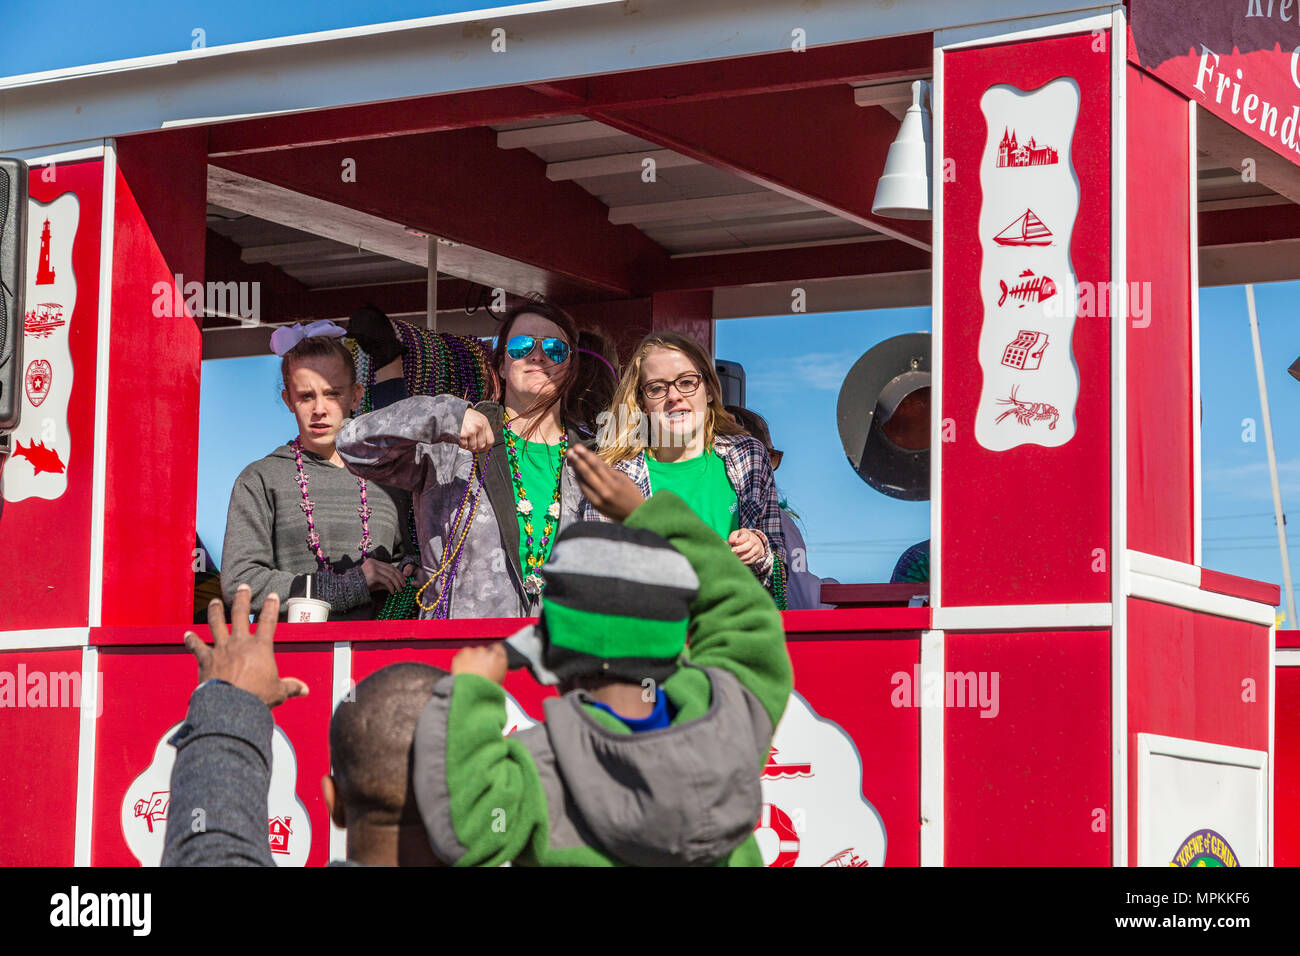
[844, 680]
[38, 754]
[1286, 769]
[1234, 586]
[153, 398]
[147, 690]
[1186, 675]
[45, 544]
[1029, 785]
[1021, 526]
[1159, 342]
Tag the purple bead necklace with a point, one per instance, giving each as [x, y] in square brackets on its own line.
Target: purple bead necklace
[313, 538]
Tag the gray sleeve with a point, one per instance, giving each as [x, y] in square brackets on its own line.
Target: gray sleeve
[248, 551]
[395, 445]
[218, 810]
[343, 591]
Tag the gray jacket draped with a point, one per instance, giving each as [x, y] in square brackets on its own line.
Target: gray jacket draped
[414, 445]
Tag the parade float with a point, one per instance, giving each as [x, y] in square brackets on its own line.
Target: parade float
[1071, 687]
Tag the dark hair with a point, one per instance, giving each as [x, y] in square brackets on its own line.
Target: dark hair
[753, 423]
[593, 390]
[371, 735]
[564, 390]
[318, 346]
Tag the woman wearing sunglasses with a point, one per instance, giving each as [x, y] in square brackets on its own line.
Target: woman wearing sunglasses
[668, 429]
[490, 487]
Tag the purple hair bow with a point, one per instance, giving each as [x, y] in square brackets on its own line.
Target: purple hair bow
[287, 336]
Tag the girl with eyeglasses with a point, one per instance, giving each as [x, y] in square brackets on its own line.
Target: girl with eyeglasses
[490, 486]
[668, 429]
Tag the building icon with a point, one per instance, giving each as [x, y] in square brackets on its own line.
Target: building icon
[278, 833]
[44, 274]
[1011, 153]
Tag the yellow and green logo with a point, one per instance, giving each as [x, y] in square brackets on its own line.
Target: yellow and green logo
[1205, 848]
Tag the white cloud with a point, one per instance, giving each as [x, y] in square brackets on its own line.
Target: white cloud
[818, 371]
[1250, 480]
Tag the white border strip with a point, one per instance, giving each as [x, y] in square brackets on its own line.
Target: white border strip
[90, 707]
[1149, 745]
[936, 330]
[1158, 567]
[99, 480]
[1194, 296]
[342, 688]
[44, 638]
[1285, 656]
[1163, 591]
[933, 767]
[1028, 28]
[1272, 738]
[1119, 572]
[69, 153]
[1011, 617]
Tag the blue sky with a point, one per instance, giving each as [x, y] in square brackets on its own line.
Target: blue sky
[794, 366]
[129, 28]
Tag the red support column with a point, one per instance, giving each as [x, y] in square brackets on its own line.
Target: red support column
[155, 352]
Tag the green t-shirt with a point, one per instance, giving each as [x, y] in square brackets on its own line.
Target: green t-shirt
[538, 463]
[702, 483]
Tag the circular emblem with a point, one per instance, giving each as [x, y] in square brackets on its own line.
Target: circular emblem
[1205, 848]
[37, 381]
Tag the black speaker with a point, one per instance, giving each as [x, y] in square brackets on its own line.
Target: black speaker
[881, 381]
[13, 285]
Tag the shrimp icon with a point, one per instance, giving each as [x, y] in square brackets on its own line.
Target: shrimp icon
[1026, 413]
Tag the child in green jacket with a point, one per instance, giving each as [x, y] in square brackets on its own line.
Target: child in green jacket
[654, 753]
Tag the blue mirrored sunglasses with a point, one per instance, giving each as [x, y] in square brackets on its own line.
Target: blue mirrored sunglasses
[521, 346]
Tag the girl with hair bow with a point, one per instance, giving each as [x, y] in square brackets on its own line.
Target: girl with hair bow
[298, 520]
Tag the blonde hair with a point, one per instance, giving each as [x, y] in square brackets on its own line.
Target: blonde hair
[623, 434]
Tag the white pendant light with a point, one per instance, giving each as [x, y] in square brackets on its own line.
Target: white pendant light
[904, 188]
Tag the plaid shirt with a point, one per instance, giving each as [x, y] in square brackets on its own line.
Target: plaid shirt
[749, 469]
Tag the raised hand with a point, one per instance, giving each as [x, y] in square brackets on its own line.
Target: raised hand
[611, 492]
[240, 657]
[475, 432]
[488, 661]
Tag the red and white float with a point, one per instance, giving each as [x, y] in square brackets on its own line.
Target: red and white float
[1078, 690]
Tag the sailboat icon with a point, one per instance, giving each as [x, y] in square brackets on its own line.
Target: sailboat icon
[1028, 230]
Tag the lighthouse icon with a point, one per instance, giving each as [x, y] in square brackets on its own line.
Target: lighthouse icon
[44, 274]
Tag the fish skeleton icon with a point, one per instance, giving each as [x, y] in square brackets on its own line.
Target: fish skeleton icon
[1031, 288]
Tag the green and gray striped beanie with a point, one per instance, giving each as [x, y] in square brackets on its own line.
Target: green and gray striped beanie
[616, 604]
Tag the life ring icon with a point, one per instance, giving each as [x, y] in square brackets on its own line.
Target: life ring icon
[779, 822]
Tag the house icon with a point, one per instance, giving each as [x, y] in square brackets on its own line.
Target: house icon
[279, 832]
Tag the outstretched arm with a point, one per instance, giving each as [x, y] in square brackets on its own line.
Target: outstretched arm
[382, 445]
[734, 624]
[479, 793]
[219, 784]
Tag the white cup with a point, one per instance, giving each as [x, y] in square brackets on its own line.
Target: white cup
[307, 610]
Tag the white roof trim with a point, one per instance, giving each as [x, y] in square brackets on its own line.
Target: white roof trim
[545, 42]
[297, 39]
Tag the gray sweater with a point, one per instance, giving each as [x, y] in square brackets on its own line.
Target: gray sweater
[266, 534]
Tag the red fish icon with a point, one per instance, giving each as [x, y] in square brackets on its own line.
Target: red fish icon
[42, 458]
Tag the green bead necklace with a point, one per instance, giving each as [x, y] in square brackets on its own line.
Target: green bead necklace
[535, 553]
